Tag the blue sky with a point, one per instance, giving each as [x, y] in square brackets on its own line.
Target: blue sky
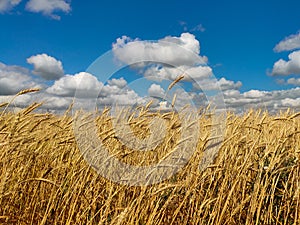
[237, 37]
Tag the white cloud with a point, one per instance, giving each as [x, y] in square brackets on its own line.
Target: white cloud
[288, 102]
[120, 83]
[175, 51]
[124, 97]
[280, 81]
[171, 73]
[254, 94]
[116, 91]
[56, 103]
[294, 81]
[271, 100]
[48, 7]
[165, 59]
[46, 66]
[163, 105]
[14, 79]
[84, 83]
[156, 90]
[292, 66]
[19, 102]
[228, 84]
[197, 72]
[199, 27]
[7, 5]
[223, 84]
[86, 86]
[49, 102]
[231, 93]
[291, 42]
[88, 90]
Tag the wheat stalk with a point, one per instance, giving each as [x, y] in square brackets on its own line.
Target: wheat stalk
[178, 79]
[26, 91]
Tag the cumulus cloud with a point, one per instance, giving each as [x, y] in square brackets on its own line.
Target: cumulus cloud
[271, 100]
[83, 82]
[14, 79]
[120, 83]
[225, 84]
[291, 42]
[56, 103]
[175, 51]
[292, 66]
[212, 84]
[46, 66]
[19, 103]
[254, 94]
[117, 92]
[48, 7]
[86, 86]
[124, 97]
[159, 72]
[231, 93]
[288, 102]
[294, 81]
[7, 5]
[165, 59]
[156, 90]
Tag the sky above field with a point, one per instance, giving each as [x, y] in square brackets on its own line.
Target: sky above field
[249, 50]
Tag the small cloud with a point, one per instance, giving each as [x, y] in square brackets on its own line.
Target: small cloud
[183, 24]
[156, 90]
[223, 84]
[254, 94]
[292, 66]
[231, 93]
[185, 27]
[120, 83]
[7, 5]
[48, 7]
[291, 42]
[280, 81]
[199, 27]
[46, 66]
[171, 73]
[121, 97]
[217, 65]
[294, 81]
[290, 81]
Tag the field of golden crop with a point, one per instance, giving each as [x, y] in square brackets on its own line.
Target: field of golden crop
[255, 178]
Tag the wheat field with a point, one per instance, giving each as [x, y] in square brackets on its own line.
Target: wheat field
[254, 179]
